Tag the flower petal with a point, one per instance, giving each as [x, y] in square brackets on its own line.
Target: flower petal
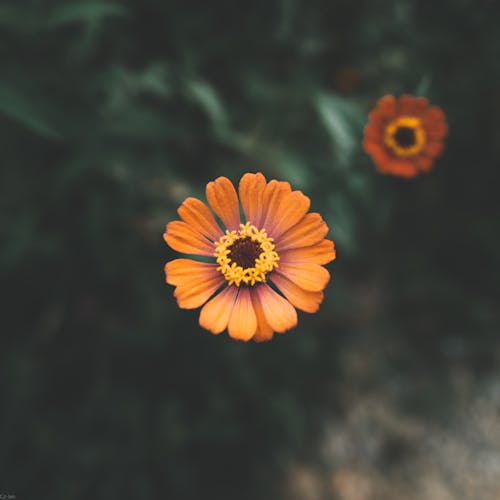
[302, 299]
[292, 209]
[223, 199]
[406, 105]
[273, 195]
[181, 271]
[215, 314]
[194, 294]
[243, 321]
[311, 277]
[279, 313]
[402, 168]
[195, 213]
[310, 230]
[372, 132]
[377, 152]
[434, 149]
[387, 105]
[321, 253]
[251, 191]
[183, 238]
[420, 104]
[436, 131]
[264, 332]
[424, 163]
[434, 122]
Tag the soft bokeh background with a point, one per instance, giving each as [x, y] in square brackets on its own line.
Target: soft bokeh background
[111, 113]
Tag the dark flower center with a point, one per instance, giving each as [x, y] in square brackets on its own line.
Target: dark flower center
[244, 252]
[405, 137]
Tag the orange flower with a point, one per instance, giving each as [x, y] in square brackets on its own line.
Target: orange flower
[263, 268]
[404, 136]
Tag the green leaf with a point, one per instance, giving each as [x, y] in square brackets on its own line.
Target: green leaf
[205, 96]
[342, 120]
[140, 123]
[423, 86]
[26, 110]
[85, 12]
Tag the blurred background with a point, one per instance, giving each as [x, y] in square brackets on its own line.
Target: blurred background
[111, 113]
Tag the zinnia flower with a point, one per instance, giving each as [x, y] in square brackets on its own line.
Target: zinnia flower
[404, 136]
[263, 267]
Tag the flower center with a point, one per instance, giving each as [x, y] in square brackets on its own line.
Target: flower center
[405, 136]
[246, 256]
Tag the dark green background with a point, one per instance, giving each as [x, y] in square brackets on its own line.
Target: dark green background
[111, 113]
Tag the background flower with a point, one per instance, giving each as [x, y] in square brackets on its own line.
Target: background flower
[404, 136]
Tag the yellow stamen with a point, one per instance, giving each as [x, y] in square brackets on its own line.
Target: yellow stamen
[413, 125]
[265, 261]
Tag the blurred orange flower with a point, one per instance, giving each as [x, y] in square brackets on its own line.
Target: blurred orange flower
[404, 136]
[263, 268]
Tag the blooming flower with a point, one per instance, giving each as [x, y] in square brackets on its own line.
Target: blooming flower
[263, 267]
[404, 136]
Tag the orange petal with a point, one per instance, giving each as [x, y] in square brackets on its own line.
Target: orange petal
[424, 163]
[401, 168]
[279, 313]
[420, 104]
[434, 114]
[194, 294]
[321, 253]
[264, 332]
[300, 298]
[183, 238]
[372, 132]
[376, 151]
[379, 119]
[292, 209]
[243, 321]
[181, 271]
[406, 105]
[195, 213]
[251, 191]
[215, 314]
[434, 149]
[223, 199]
[311, 277]
[310, 230]
[437, 131]
[434, 123]
[387, 105]
[274, 193]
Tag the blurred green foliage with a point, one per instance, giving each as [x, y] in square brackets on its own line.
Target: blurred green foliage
[111, 113]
